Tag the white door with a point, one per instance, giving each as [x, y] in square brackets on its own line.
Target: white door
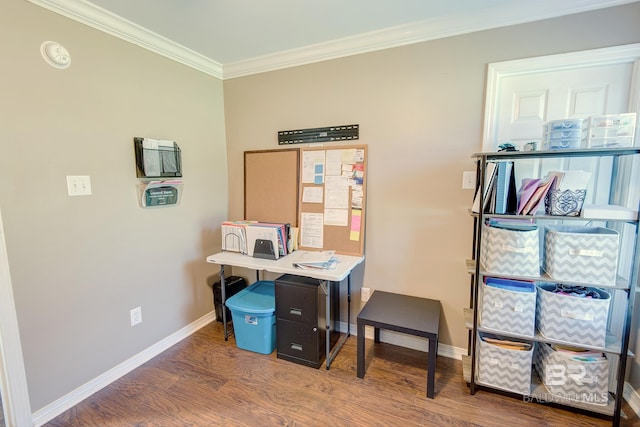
[524, 94]
[526, 101]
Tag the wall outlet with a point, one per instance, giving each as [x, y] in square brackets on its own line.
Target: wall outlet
[136, 316]
[365, 293]
[468, 180]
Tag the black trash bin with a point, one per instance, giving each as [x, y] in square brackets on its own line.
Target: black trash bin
[233, 285]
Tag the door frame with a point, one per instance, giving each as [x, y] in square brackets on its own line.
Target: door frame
[13, 380]
[566, 61]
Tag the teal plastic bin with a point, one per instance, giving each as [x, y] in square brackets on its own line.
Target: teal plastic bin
[253, 311]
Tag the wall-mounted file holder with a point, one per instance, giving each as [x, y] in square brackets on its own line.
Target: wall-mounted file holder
[157, 158]
[160, 193]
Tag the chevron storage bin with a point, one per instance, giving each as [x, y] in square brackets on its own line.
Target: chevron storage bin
[513, 252]
[572, 319]
[581, 254]
[509, 306]
[573, 379]
[505, 368]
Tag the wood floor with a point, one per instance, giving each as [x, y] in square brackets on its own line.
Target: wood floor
[205, 381]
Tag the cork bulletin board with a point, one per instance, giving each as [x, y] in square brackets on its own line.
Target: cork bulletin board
[271, 185]
[333, 182]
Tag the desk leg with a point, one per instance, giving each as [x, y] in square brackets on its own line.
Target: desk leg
[431, 373]
[327, 335]
[360, 350]
[349, 304]
[330, 355]
[223, 293]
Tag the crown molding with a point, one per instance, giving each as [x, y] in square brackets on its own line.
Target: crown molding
[417, 32]
[89, 14]
[432, 29]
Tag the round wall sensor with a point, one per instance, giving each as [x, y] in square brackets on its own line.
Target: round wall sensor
[56, 55]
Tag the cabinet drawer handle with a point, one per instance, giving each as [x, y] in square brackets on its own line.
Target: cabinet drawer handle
[295, 311]
[295, 346]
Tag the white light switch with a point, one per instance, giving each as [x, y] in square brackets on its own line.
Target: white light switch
[468, 180]
[79, 185]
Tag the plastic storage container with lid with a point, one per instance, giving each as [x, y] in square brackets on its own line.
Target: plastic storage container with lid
[254, 320]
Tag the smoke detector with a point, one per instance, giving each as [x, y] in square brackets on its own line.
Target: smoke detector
[55, 54]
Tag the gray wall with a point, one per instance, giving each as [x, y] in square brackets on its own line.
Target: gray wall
[420, 110]
[79, 264]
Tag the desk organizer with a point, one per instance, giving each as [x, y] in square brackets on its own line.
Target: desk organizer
[513, 252]
[573, 379]
[509, 306]
[504, 368]
[581, 253]
[254, 320]
[572, 319]
[564, 202]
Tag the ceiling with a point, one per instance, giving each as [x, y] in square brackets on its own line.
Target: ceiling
[230, 38]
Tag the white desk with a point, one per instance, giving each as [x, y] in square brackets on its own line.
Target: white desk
[284, 265]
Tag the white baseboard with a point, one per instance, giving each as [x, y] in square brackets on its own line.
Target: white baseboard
[632, 397]
[66, 402]
[409, 341]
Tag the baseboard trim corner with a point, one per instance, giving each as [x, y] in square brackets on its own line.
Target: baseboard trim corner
[632, 397]
[68, 401]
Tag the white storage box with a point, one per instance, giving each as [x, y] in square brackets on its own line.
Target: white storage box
[562, 134]
[581, 253]
[613, 130]
[609, 120]
[509, 306]
[572, 378]
[573, 319]
[621, 141]
[513, 252]
[504, 367]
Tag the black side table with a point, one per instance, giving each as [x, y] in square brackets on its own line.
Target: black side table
[401, 313]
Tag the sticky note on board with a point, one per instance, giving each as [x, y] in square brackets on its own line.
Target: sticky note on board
[356, 220]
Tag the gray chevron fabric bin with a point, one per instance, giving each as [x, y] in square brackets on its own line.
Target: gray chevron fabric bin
[509, 306]
[572, 379]
[513, 252]
[504, 368]
[572, 319]
[581, 253]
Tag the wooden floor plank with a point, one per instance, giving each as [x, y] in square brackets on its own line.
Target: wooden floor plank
[207, 381]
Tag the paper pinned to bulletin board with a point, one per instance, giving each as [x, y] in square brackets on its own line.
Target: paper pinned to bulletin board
[333, 198]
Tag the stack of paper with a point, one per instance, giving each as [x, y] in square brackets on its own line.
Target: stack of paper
[309, 260]
[531, 194]
[234, 236]
[277, 233]
[580, 354]
[508, 344]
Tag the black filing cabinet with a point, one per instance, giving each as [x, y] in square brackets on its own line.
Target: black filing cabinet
[301, 318]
